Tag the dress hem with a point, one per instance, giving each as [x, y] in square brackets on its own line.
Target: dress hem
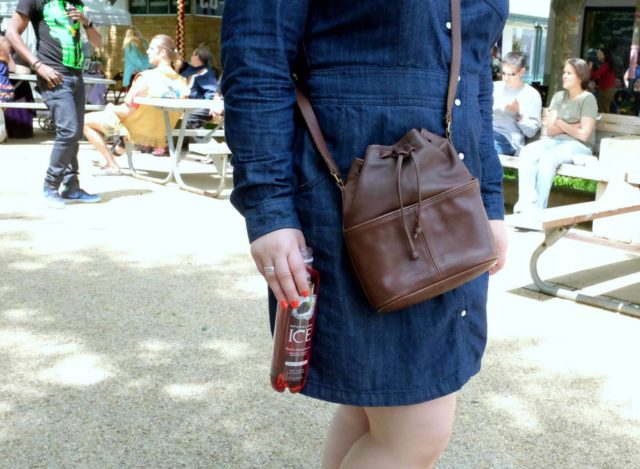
[390, 398]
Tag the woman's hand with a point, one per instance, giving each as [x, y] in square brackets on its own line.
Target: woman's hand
[278, 259]
[500, 237]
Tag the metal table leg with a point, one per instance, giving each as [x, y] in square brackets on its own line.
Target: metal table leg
[612, 304]
[169, 176]
[221, 168]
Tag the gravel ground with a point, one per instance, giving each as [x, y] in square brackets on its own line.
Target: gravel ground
[133, 333]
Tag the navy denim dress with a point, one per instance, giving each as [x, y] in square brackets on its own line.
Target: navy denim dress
[373, 70]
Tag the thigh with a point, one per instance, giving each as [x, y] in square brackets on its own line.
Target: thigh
[533, 152]
[503, 145]
[61, 101]
[105, 122]
[413, 424]
[565, 151]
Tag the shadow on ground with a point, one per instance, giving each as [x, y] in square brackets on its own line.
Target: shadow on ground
[129, 342]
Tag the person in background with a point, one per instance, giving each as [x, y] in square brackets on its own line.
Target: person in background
[605, 77]
[96, 92]
[371, 74]
[495, 63]
[203, 83]
[58, 64]
[6, 88]
[6, 65]
[632, 74]
[128, 118]
[517, 107]
[571, 132]
[135, 55]
[19, 121]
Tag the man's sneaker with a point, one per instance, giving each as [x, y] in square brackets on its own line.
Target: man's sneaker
[53, 199]
[79, 195]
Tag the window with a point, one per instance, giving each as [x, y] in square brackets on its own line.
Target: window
[209, 7]
[157, 7]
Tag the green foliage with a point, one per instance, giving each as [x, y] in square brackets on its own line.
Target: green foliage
[585, 185]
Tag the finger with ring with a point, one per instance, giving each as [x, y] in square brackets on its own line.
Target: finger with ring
[268, 269]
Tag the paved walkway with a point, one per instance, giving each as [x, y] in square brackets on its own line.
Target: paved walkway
[133, 333]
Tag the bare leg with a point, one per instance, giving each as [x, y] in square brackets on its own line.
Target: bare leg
[96, 138]
[404, 437]
[348, 425]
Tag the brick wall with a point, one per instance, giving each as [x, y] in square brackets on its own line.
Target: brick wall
[197, 29]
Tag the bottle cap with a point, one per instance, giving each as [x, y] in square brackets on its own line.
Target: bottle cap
[307, 254]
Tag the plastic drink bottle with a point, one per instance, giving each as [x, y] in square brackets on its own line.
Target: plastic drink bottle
[293, 335]
[70, 21]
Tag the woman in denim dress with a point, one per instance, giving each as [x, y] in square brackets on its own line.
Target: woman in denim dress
[372, 71]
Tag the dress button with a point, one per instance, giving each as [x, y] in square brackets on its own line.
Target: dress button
[458, 102]
[463, 313]
[461, 156]
[448, 24]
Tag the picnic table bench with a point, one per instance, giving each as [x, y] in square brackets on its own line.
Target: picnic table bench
[40, 106]
[556, 223]
[615, 213]
[618, 147]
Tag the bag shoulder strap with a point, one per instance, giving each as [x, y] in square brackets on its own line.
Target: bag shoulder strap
[456, 57]
[316, 135]
[454, 72]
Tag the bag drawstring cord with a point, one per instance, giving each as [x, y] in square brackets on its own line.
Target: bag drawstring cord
[418, 229]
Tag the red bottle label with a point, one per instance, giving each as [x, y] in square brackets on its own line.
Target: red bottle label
[292, 340]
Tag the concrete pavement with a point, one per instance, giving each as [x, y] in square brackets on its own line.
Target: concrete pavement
[133, 333]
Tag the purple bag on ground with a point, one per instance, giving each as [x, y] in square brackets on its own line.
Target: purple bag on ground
[19, 122]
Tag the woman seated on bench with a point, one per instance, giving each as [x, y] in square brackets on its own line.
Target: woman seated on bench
[144, 124]
[571, 132]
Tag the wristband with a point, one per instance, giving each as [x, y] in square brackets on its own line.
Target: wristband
[36, 64]
[89, 25]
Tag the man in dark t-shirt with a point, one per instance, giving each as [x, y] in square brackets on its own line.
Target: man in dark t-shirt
[57, 24]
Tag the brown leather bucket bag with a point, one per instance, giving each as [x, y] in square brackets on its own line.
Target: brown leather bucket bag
[413, 218]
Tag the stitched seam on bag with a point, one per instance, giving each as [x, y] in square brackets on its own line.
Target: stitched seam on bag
[428, 249]
[429, 201]
[482, 266]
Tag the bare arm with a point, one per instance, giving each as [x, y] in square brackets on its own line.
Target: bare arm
[139, 87]
[552, 128]
[17, 25]
[93, 35]
[581, 130]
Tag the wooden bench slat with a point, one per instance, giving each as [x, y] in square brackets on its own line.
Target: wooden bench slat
[613, 129]
[567, 215]
[210, 148]
[593, 172]
[215, 133]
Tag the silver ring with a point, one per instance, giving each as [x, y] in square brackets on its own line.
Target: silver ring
[269, 269]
